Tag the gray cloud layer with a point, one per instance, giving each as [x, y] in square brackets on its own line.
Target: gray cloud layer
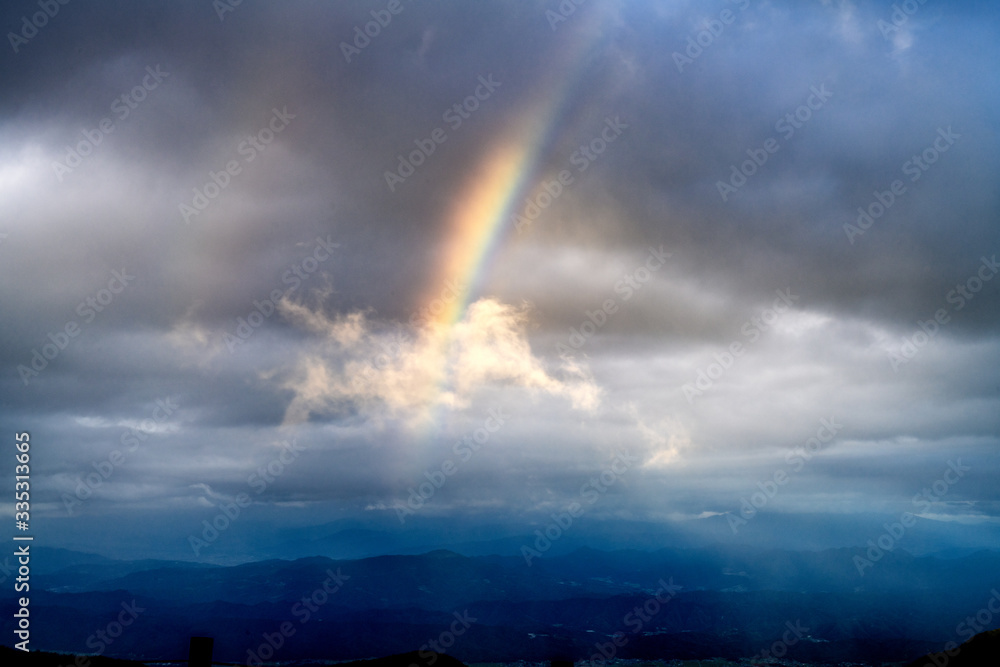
[139, 301]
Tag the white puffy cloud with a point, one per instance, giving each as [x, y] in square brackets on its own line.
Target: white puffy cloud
[404, 373]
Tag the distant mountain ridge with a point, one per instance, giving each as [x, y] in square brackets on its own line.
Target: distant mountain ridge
[733, 603]
[381, 533]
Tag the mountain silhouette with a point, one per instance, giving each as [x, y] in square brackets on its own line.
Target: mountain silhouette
[981, 651]
[730, 603]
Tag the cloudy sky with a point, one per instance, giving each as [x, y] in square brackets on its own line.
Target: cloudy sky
[378, 263]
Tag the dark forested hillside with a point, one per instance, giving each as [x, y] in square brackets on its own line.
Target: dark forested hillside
[697, 603]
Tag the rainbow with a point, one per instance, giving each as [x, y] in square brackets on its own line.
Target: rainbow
[477, 222]
[480, 219]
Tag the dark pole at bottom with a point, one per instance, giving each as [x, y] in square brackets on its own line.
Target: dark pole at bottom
[200, 652]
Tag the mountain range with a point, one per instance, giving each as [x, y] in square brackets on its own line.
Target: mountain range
[719, 602]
